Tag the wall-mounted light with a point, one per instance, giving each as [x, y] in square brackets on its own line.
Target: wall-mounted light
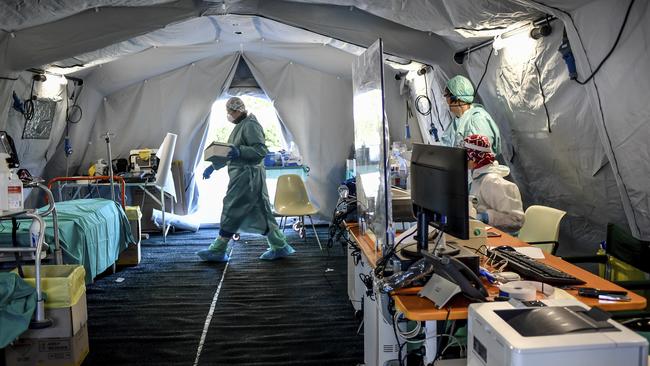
[540, 28]
[544, 30]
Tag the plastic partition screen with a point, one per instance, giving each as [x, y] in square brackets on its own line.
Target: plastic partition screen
[371, 145]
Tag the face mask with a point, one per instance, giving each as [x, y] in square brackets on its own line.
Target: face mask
[231, 119]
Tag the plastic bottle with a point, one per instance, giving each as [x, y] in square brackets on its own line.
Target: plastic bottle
[15, 192]
[34, 231]
[602, 250]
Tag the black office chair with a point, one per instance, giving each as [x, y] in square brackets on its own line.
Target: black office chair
[626, 264]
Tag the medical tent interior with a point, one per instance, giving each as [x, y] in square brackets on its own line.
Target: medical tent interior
[565, 81]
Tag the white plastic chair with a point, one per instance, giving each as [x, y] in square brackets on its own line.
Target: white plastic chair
[291, 200]
[542, 227]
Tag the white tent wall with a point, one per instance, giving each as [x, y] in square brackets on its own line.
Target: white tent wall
[565, 168]
[395, 105]
[33, 154]
[81, 134]
[431, 86]
[178, 101]
[317, 109]
[619, 95]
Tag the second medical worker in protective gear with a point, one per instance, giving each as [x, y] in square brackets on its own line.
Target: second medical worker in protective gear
[246, 206]
[469, 117]
[499, 201]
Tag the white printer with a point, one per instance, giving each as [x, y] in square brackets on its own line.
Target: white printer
[559, 332]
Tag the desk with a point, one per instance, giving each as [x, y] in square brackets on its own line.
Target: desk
[415, 307]
[379, 334]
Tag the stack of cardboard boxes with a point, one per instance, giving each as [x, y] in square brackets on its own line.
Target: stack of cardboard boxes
[65, 342]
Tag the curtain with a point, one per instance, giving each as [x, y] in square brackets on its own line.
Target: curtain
[317, 109]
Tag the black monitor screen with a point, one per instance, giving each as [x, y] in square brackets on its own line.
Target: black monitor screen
[439, 187]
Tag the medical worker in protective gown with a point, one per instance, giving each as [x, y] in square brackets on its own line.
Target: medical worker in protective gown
[246, 206]
[469, 118]
[499, 201]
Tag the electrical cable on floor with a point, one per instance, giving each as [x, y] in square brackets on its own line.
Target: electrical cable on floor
[541, 89]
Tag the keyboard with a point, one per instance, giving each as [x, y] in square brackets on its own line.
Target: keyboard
[531, 269]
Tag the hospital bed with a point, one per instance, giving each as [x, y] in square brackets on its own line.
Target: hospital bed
[91, 232]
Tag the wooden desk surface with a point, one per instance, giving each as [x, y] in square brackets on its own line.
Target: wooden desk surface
[415, 307]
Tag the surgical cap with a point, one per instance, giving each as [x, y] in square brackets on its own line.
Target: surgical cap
[478, 150]
[236, 104]
[461, 88]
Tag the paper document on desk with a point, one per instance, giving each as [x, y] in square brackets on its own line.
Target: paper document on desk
[532, 252]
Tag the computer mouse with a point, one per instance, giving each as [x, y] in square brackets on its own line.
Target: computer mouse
[505, 247]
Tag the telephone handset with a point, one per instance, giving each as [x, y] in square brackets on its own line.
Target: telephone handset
[457, 272]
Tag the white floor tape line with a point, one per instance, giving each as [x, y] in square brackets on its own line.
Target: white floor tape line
[208, 319]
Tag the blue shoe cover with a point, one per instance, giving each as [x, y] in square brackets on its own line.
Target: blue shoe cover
[213, 255]
[273, 254]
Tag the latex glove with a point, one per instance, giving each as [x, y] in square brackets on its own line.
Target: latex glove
[234, 153]
[483, 216]
[208, 172]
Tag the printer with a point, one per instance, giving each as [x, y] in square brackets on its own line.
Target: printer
[549, 333]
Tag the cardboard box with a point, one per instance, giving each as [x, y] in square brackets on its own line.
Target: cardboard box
[132, 255]
[69, 351]
[66, 322]
[63, 284]
[217, 154]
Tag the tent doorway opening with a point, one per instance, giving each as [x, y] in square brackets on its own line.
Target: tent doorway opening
[213, 190]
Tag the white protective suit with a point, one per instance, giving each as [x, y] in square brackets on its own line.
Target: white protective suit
[498, 197]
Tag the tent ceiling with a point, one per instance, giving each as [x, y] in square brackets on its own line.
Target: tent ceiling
[84, 32]
[143, 57]
[21, 14]
[422, 30]
[224, 30]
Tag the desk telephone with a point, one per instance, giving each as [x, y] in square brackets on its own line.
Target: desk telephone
[457, 272]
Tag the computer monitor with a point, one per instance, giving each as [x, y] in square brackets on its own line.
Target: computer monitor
[439, 190]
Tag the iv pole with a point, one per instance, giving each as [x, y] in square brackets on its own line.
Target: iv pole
[107, 138]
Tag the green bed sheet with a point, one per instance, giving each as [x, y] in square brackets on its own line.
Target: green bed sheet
[92, 232]
[17, 304]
